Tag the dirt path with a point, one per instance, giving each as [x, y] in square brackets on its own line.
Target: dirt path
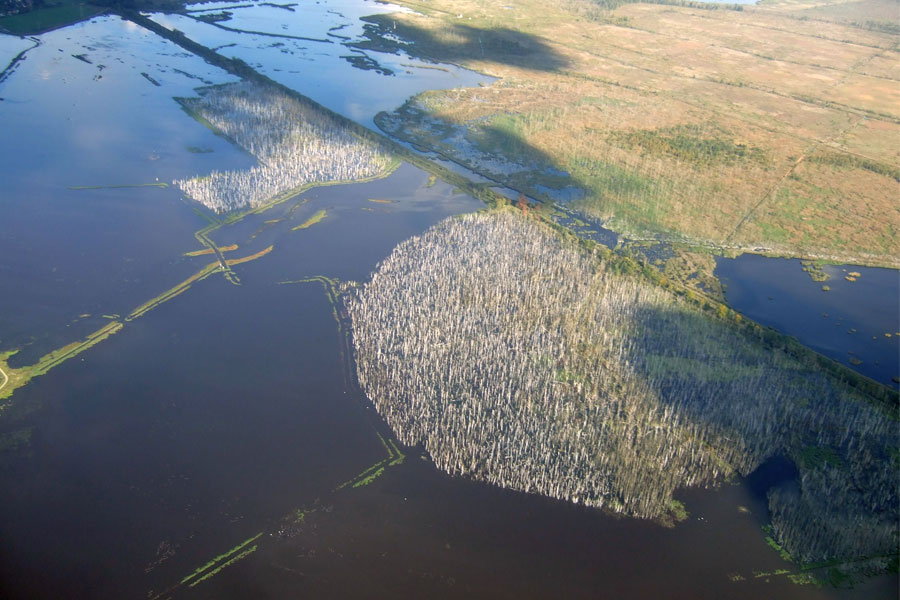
[774, 189]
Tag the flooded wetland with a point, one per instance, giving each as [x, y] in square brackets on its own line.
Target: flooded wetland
[251, 348]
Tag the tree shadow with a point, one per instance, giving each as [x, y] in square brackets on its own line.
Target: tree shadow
[459, 42]
[798, 432]
[762, 390]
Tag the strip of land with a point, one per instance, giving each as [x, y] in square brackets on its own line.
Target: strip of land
[769, 129]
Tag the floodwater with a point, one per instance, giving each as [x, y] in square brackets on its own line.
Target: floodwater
[96, 121]
[223, 412]
[856, 323]
[306, 49]
[10, 47]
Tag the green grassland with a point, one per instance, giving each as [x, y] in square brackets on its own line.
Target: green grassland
[52, 15]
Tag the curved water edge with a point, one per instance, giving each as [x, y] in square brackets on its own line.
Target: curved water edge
[628, 417]
[853, 319]
[353, 82]
[166, 322]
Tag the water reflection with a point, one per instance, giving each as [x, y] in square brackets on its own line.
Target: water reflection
[854, 322]
[266, 38]
[69, 256]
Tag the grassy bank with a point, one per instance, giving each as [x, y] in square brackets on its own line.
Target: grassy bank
[754, 130]
[52, 15]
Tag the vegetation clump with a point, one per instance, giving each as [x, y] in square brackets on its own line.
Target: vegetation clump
[850, 161]
[519, 358]
[294, 144]
[691, 144]
[815, 271]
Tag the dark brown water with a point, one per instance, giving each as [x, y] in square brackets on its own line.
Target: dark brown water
[225, 410]
[221, 413]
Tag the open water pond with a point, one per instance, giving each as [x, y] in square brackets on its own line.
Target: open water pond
[855, 322]
[220, 426]
[228, 412]
[81, 111]
[355, 83]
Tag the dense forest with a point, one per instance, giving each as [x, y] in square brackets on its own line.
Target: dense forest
[294, 144]
[518, 358]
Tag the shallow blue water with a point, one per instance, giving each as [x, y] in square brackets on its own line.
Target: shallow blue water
[267, 39]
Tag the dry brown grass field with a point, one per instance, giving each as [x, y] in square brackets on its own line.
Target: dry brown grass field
[774, 128]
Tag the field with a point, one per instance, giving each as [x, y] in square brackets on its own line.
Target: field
[771, 128]
[52, 15]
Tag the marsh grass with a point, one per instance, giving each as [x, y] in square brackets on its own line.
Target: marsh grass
[221, 561]
[53, 15]
[686, 135]
[318, 217]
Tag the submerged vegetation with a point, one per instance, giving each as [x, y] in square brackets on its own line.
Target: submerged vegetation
[294, 144]
[316, 218]
[518, 358]
[395, 457]
[299, 147]
[223, 560]
[14, 378]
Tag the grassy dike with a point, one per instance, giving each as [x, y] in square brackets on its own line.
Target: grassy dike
[12, 379]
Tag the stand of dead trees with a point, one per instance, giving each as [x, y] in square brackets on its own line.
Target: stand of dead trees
[519, 359]
[294, 145]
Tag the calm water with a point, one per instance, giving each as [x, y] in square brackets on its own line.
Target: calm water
[66, 123]
[222, 412]
[266, 38]
[858, 320]
[10, 47]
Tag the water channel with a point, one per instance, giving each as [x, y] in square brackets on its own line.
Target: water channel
[230, 411]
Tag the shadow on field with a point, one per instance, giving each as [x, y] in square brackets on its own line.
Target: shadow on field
[496, 148]
[461, 42]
